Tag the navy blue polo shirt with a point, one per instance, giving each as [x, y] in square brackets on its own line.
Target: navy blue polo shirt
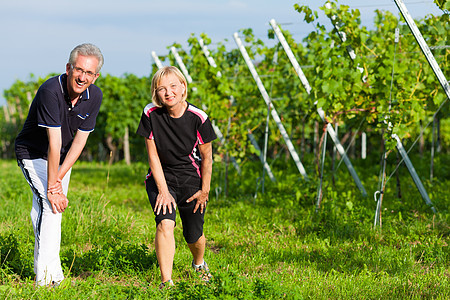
[51, 107]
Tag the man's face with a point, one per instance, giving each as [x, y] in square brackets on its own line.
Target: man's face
[81, 75]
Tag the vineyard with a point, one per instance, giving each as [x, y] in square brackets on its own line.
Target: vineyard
[304, 121]
[384, 87]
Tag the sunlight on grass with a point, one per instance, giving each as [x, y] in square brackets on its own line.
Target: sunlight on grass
[270, 247]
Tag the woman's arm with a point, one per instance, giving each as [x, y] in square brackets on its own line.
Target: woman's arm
[164, 198]
[206, 171]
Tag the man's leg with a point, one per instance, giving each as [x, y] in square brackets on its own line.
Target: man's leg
[46, 224]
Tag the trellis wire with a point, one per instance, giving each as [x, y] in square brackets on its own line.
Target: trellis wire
[417, 139]
[439, 47]
[383, 180]
[320, 111]
[351, 142]
[319, 189]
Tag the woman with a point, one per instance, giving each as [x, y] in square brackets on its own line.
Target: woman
[178, 138]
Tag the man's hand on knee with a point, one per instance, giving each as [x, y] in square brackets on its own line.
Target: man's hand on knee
[58, 201]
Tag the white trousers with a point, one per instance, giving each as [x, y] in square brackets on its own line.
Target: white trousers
[46, 224]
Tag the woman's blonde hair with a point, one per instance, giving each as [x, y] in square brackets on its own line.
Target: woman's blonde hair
[164, 71]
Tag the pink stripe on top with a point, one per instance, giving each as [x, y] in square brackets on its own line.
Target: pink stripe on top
[199, 138]
[147, 177]
[200, 113]
[193, 162]
[149, 108]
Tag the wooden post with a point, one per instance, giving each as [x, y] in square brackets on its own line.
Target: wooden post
[19, 108]
[6, 113]
[126, 147]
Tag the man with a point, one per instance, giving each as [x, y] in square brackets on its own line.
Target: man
[61, 116]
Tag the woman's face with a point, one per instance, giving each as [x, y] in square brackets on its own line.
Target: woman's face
[170, 91]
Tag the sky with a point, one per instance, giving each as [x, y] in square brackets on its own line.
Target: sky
[37, 36]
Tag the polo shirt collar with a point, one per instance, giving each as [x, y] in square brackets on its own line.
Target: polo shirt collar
[63, 85]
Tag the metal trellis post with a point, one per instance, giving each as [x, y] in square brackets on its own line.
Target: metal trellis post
[156, 60]
[436, 69]
[424, 47]
[261, 155]
[189, 80]
[273, 111]
[320, 111]
[413, 173]
[442, 80]
[212, 63]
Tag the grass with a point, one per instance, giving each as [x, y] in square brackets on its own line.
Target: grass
[269, 247]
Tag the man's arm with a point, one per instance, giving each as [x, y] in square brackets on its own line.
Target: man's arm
[57, 200]
[75, 150]
[54, 185]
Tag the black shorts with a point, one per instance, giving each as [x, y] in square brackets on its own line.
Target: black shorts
[192, 222]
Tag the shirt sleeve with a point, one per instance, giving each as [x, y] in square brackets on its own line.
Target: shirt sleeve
[145, 127]
[48, 110]
[90, 120]
[205, 132]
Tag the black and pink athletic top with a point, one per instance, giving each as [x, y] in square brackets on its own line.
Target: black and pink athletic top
[177, 141]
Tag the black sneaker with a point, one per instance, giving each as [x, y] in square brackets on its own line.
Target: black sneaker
[202, 271]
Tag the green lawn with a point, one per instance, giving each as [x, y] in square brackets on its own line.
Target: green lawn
[271, 247]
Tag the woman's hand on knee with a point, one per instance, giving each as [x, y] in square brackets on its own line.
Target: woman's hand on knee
[164, 203]
[202, 200]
